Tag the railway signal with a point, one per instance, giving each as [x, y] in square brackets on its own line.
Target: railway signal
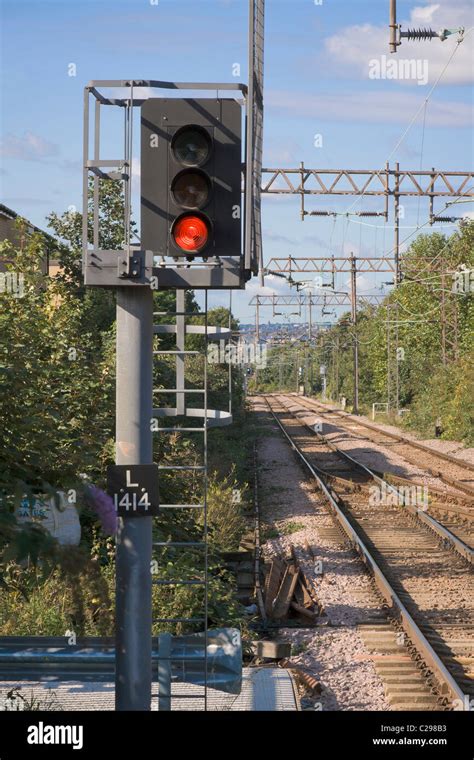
[191, 162]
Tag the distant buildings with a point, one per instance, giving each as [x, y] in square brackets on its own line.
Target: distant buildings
[9, 231]
[282, 332]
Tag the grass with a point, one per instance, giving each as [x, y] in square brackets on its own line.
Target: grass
[268, 532]
[297, 649]
[16, 701]
[291, 527]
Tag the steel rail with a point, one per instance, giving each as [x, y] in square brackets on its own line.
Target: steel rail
[445, 534]
[420, 642]
[258, 585]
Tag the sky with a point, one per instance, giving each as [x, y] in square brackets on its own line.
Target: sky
[317, 82]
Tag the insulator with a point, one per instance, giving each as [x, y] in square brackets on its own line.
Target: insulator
[445, 219]
[419, 34]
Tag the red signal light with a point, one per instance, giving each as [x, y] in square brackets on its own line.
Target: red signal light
[190, 232]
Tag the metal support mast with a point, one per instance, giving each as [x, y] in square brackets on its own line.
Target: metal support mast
[393, 26]
[310, 326]
[354, 327]
[396, 224]
[134, 540]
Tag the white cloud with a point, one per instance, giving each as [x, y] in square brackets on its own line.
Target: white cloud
[369, 106]
[353, 47]
[273, 286]
[424, 15]
[29, 147]
[281, 150]
[276, 237]
[446, 14]
[349, 248]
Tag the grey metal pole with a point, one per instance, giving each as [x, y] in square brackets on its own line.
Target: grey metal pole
[310, 317]
[396, 223]
[355, 341]
[397, 268]
[393, 26]
[164, 672]
[134, 410]
[397, 365]
[257, 338]
[389, 362]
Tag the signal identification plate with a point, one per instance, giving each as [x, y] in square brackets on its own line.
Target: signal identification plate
[134, 489]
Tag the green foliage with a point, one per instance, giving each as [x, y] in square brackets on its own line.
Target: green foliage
[224, 513]
[57, 389]
[182, 601]
[291, 527]
[76, 594]
[449, 398]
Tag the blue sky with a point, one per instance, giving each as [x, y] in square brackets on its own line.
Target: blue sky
[316, 82]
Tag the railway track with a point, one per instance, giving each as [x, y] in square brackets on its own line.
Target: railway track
[461, 474]
[452, 510]
[422, 571]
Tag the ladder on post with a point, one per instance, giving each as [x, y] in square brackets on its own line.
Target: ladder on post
[194, 662]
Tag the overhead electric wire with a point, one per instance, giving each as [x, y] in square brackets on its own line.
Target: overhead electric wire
[421, 158]
[414, 118]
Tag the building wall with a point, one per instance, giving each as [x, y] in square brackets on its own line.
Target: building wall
[9, 232]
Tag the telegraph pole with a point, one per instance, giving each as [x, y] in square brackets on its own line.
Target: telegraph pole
[310, 320]
[397, 367]
[257, 323]
[393, 26]
[257, 340]
[389, 378]
[396, 248]
[354, 324]
[134, 445]
[396, 223]
[335, 367]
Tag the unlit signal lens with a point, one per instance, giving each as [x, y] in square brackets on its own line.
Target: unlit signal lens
[191, 189]
[191, 146]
